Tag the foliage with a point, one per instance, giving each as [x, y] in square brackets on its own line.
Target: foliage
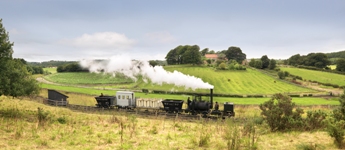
[336, 124]
[281, 74]
[51, 63]
[319, 60]
[340, 65]
[340, 54]
[184, 55]
[315, 120]
[235, 53]
[204, 51]
[265, 61]
[280, 113]
[272, 64]
[222, 66]
[71, 67]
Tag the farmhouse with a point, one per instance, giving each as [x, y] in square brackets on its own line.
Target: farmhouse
[211, 56]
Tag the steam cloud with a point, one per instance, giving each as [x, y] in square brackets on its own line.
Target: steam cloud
[132, 68]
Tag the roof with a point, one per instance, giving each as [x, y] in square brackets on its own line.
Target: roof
[50, 90]
[211, 56]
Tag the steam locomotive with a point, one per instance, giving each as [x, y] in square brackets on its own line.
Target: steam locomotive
[196, 105]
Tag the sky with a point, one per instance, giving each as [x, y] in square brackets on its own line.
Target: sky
[72, 30]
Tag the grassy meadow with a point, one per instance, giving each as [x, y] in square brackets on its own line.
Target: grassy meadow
[323, 77]
[86, 78]
[225, 82]
[52, 70]
[24, 126]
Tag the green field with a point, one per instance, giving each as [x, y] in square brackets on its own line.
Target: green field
[244, 101]
[241, 82]
[225, 82]
[323, 77]
[51, 70]
[86, 78]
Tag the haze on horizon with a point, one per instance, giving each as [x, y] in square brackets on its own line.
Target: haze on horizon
[44, 30]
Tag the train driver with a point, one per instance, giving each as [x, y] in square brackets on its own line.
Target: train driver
[216, 106]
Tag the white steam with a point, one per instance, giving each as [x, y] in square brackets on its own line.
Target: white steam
[132, 68]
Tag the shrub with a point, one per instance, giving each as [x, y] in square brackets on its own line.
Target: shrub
[315, 120]
[222, 66]
[279, 115]
[336, 124]
[281, 75]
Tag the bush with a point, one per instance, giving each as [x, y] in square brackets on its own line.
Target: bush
[279, 115]
[281, 75]
[336, 124]
[315, 120]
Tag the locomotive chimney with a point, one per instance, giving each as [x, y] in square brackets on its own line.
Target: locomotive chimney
[211, 98]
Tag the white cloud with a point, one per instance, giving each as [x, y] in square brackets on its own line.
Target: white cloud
[161, 37]
[101, 40]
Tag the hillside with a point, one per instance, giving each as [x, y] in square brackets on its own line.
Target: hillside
[247, 82]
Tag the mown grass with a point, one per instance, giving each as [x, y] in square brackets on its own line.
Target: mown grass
[87, 78]
[323, 77]
[240, 82]
[225, 82]
[20, 128]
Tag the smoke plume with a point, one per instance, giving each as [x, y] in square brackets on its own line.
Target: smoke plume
[132, 68]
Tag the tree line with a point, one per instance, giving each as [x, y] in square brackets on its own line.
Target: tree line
[191, 54]
[317, 60]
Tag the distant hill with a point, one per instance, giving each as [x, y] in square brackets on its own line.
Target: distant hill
[340, 54]
[52, 63]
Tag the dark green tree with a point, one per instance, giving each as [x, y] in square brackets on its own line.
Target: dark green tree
[204, 51]
[295, 60]
[272, 64]
[211, 52]
[265, 61]
[191, 55]
[15, 80]
[172, 57]
[252, 62]
[340, 64]
[319, 60]
[258, 64]
[235, 53]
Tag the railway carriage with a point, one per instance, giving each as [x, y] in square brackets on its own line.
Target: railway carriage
[198, 105]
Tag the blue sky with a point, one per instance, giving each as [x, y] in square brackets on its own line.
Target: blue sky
[45, 30]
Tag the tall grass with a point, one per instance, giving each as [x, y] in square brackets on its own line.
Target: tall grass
[100, 130]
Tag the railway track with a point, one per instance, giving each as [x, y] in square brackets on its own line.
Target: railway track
[139, 112]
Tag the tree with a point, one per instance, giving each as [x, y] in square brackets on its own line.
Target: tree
[235, 53]
[340, 65]
[265, 61]
[272, 64]
[319, 60]
[204, 51]
[258, 64]
[153, 63]
[252, 62]
[14, 77]
[172, 57]
[295, 60]
[191, 55]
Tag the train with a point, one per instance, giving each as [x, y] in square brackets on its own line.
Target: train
[197, 105]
